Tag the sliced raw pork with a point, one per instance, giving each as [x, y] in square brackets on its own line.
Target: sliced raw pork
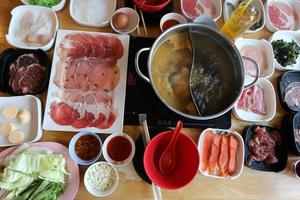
[195, 8]
[282, 15]
[253, 100]
[292, 95]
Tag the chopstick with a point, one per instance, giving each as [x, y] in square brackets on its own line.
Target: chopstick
[138, 27]
[144, 24]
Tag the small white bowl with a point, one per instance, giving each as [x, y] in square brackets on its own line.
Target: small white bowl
[17, 15]
[133, 20]
[217, 4]
[240, 153]
[172, 16]
[295, 4]
[266, 48]
[258, 3]
[270, 101]
[110, 6]
[98, 193]
[287, 36]
[57, 7]
[107, 157]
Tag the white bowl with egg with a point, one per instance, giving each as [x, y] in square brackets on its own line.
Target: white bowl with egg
[270, 102]
[93, 13]
[20, 120]
[32, 27]
[101, 179]
[124, 20]
[56, 7]
[264, 55]
[287, 36]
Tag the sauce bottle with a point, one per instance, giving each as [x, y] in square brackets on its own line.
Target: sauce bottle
[243, 17]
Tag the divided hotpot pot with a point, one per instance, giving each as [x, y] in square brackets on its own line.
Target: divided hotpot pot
[235, 74]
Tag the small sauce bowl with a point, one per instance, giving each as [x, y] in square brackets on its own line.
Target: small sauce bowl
[118, 149]
[296, 168]
[171, 19]
[88, 155]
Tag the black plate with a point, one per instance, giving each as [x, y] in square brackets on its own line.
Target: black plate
[44, 61]
[3, 57]
[280, 152]
[289, 123]
[286, 79]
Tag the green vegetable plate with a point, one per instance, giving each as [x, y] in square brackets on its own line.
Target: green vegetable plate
[56, 5]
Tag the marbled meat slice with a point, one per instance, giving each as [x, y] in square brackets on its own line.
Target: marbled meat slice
[214, 156]
[282, 15]
[26, 74]
[80, 45]
[253, 99]
[292, 95]
[224, 156]
[233, 149]
[195, 8]
[206, 150]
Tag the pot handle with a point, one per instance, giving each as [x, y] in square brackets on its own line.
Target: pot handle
[257, 71]
[207, 21]
[137, 67]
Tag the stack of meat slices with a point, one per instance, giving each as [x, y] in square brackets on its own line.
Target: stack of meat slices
[292, 95]
[219, 153]
[87, 74]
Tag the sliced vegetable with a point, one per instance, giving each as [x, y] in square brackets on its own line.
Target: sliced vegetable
[286, 53]
[46, 3]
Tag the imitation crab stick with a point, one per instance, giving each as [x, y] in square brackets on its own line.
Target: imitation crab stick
[224, 156]
[207, 144]
[233, 145]
[214, 156]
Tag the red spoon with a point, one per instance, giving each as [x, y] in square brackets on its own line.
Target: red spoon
[167, 160]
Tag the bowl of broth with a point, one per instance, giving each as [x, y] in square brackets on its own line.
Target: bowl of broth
[218, 70]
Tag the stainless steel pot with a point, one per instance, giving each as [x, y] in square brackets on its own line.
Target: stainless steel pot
[207, 26]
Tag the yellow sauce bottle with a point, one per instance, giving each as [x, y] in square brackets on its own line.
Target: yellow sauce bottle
[241, 19]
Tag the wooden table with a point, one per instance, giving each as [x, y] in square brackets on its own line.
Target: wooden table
[250, 185]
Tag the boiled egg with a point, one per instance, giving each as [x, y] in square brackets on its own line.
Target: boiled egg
[121, 20]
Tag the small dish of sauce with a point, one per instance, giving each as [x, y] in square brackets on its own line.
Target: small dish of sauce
[118, 149]
[171, 19]
[296, 168]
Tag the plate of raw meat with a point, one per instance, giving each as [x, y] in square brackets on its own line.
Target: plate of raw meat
[87, 83]
[221, 153]
[265, 148]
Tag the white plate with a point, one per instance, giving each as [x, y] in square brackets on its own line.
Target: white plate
[287, 36]
[119, 91]
[17, 15]
[240, 153]
[217, 4]
[267, 49]
[32, 130]
[294, 4]
[270, 98]
[57, 7]
[108, 6]
[258, 3]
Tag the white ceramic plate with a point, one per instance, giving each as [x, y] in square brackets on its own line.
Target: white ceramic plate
[32, 130]
[266, 48]
[57, 7]
[258, 3]
[295, 4]
[17, 15]
[118, 92]
[240, 153]
[287, 36]
[107, 9]
[270, 98]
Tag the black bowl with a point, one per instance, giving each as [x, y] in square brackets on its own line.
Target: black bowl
[290, 123]
[286, 79]
[280, 151]
[11, 55]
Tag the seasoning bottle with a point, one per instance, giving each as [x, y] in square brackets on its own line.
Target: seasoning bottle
[241, 19]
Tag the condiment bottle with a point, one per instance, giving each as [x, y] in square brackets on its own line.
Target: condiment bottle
[241, 19]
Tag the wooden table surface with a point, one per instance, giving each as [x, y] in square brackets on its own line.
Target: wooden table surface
[250, 185]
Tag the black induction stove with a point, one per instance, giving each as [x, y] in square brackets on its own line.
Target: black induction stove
[141, 98]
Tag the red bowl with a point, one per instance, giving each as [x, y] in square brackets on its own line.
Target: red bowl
[151, 5]
[187, 161]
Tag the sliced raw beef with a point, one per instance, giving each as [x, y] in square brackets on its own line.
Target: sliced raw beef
[26, 74]
[282, 15]
[81, 45]
[63, 114]
[256, 54]
[253, 99]
[195, 8]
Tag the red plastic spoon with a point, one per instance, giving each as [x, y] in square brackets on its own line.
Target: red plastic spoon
[167, 160]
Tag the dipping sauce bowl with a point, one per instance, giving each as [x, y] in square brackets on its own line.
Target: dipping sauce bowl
[171, 19]
[296, 168]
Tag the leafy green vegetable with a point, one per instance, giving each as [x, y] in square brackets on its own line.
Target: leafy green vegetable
[286, 53]
[46, 3]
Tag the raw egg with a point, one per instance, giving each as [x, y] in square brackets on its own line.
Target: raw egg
[121, 20]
